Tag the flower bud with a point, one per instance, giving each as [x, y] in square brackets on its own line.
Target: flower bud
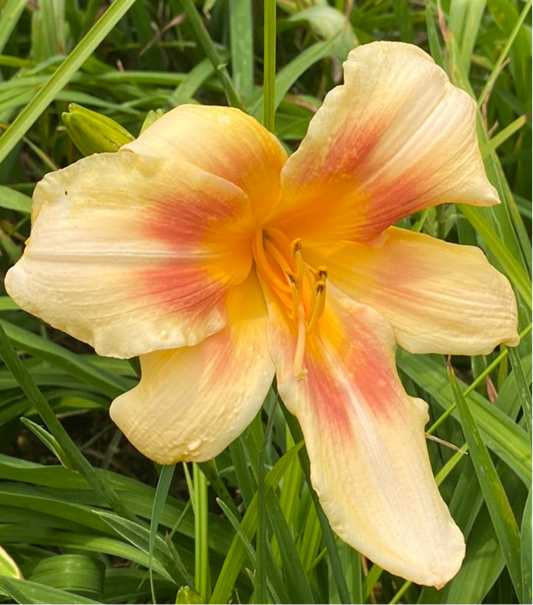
[92, 132]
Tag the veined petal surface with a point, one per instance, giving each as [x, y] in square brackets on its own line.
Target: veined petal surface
[437, 296]
[131, 254]
[395, 138]
[192, 402]
[365, 438]
[223, 141]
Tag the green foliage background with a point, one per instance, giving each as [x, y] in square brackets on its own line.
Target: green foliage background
[83, 515]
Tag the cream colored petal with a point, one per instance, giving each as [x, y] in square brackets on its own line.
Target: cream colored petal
[192, 402]
[365, 438]
[8, 567]
[395, 138]
[438, 297]
[131, 255]
[222, 141]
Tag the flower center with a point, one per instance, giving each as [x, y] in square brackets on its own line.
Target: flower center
[300, 289]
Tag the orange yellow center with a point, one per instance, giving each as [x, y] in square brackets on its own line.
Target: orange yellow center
[300, 290]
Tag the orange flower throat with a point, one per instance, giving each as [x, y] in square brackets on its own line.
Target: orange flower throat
[299, 289]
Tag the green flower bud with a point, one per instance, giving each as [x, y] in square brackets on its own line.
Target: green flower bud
[92, 132]
[188, 595]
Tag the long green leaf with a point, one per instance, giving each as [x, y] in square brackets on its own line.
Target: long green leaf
[61, 77]
[495, 497]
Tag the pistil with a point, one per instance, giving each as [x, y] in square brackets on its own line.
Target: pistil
[300, 289]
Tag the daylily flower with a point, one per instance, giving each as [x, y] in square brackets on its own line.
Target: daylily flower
[203, 249]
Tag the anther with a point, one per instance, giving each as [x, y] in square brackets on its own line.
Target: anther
[318, 306]
[296, 251]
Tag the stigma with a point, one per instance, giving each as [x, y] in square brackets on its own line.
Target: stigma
[300, 290]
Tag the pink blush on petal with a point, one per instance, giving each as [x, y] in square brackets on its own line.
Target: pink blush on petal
[181, 287]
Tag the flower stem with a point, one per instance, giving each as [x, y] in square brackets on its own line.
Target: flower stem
[201, 535]
[269, 72]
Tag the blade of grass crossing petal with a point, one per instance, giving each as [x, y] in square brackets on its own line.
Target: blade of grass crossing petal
[329, 538]
[237, 553]
[37, 399]
[160, 498]
[242, 46]
[495, 497]
[201, 534]
[297, 583]
[62, 75]
[526, 552]
[269, 73]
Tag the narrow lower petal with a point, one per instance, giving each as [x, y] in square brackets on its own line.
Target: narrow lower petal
[192, 402]
[395, 138]
[437, 296]
[222, 141]
[132, 255]
[365, 438]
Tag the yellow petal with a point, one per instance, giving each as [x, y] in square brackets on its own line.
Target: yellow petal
[438, 297]
[395, 138]
[365, 438]
[131, 255]
[222, 141]
[192, 402]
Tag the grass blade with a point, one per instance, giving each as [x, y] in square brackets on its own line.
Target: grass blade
[61, 77]
[495, 497]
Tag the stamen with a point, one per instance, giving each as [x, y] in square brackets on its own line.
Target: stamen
[295, 294]
[300, 289]
[318, 307]
[296, 251]
[299, 371]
